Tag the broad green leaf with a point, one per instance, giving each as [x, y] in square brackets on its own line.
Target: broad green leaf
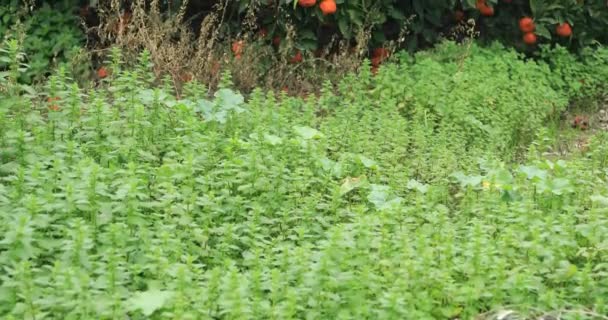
[149, 301]
[272, 139]
[465, 180]
[308, 133]
[599, 199]
[380, 197]
[367, 162]
[416, 185]
[533, 172]
[542, 31]
[350, 184]
[229, 99]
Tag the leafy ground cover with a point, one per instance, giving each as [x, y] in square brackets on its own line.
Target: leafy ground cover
[422, 192]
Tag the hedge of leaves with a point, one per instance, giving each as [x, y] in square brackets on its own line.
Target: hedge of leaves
[387, 197]
[50, 34]
[426, 22]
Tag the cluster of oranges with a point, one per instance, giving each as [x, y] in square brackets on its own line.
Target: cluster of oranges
[327, 6]
[526, 24]
[527, 27]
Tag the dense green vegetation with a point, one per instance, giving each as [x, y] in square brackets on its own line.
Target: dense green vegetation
[50, 36]
[423, 192]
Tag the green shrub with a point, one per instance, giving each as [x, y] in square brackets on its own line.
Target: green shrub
[427, 22]
[50, 36]
[385, 198]
[581, 77]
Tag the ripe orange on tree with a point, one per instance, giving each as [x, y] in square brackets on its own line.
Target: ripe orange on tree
[237, 47]
[564, 30]
[381, 52]
[526, 24]
[276, 40]
[328, 7]
[297, 57]
[379, 55]
[529, 38]
[102, 72]
[487, 11]
[484, 8]
[376, 61]
[307, 3]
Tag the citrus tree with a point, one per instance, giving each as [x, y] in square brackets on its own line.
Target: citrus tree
[574, 23]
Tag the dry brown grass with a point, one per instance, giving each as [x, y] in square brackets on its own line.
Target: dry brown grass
[184, 54]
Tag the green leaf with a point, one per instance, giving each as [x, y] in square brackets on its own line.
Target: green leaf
[367, 162]
[466, 180]
[308, 133]
[272, 139]
[229, 99]
[542, 31]
[149, 301]
[381, 198]
[344, 27]
[416, 185]
[350, 184]
[599, 199]
[532, 172]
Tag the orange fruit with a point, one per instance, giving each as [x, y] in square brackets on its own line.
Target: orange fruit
[529, 38]
[487, 11]
[526, 24]
[237, 47]
[276, 40]
[297, 57]
[328, 7]
[376, 61]
[484, 9]
[381, 53]
[102, 72]
[564, 30]
[307, 3]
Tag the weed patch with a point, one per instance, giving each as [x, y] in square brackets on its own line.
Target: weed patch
[387, 197]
